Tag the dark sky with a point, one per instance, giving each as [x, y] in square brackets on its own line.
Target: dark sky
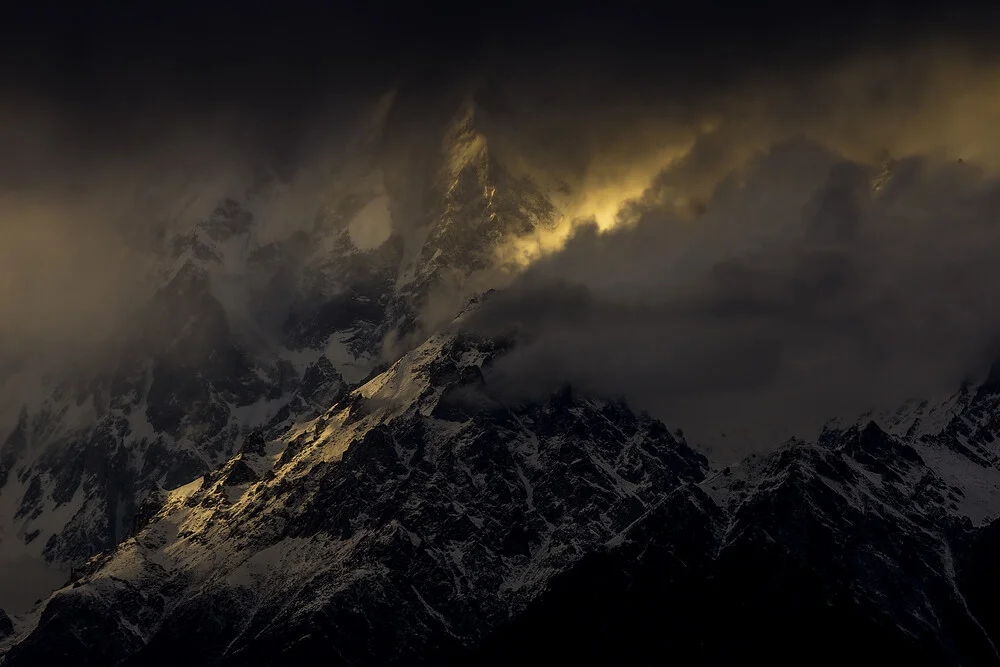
[115, 72]
[227, 52]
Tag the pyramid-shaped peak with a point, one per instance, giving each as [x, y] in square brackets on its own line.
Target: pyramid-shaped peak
[464, 141]
[470, 117]
[479, 105]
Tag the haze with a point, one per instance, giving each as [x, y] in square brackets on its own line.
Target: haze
[720, 252]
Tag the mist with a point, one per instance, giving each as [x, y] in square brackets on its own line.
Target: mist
[720, 260]
[820, 247]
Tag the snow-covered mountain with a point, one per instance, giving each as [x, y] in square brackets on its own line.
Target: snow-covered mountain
[862, 545]
[270, 298]
[278, 463]
[420, 520]
[417, 512]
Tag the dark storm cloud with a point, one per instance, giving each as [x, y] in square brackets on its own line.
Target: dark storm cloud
[579, 80]
[110, 113]
[798, 296]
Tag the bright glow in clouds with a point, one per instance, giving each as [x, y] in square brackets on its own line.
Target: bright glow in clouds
[940, 102]
[605, 192]
[600, 199]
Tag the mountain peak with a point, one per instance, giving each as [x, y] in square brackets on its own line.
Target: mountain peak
[464, 143]
[419, 471]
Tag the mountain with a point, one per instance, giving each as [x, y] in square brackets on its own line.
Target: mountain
[862, 545]
[420, 520]
[269, 299]
[279, 461]
[410, 517]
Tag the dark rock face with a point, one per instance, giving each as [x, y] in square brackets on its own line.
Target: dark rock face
[816, 553]
[321, 384]
[349, 290]
[240, 473]
[6, 626]
[91, 632]
[199, 370]
[754, 602]
[253, 443]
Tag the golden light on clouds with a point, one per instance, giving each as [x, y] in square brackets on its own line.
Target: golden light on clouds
[599, 199]
[939, 101]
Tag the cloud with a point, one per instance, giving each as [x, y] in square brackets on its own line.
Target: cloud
[724, 184]
[798, 295]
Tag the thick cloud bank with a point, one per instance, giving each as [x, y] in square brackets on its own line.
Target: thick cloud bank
[741, 274]
[805, 287]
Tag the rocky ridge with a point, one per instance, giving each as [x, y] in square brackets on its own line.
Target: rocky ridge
[252, 326]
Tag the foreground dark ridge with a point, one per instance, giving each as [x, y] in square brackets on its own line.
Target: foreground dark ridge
[411, 517]
[421, 521]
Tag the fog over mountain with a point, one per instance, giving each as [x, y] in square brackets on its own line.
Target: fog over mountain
[298, 300]
[653, 156]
